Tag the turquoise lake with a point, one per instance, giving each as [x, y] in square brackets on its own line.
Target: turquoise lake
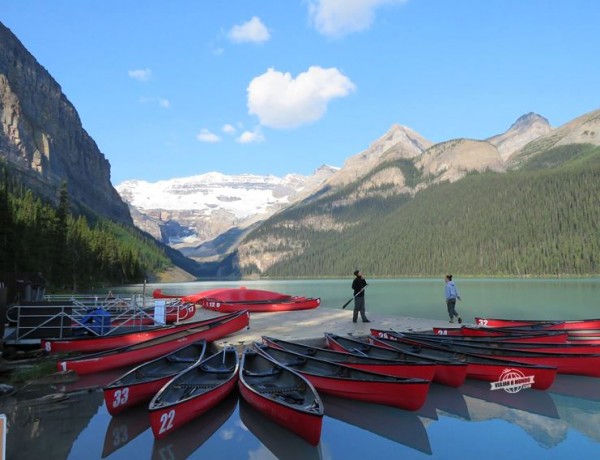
[455, 423]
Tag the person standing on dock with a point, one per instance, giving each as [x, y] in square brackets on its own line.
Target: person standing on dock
[359, 285]
[451, 295]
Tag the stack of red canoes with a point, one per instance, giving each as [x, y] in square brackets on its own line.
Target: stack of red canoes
[572, 347]
[256, 300]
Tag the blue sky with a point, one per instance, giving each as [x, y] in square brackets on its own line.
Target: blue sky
[178, 88]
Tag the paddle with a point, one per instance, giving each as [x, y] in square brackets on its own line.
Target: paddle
[352, 298]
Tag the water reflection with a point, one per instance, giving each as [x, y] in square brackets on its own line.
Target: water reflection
[282, 443]
[528, 400]
[45, 423]
[389, 422]
[446, 399]
[125, 427]
[578, 386]
[181, 443]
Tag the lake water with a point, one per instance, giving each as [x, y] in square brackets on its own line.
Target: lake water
[466, 422]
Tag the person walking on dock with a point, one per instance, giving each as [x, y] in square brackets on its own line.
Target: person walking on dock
[359, 285]
[451, 295]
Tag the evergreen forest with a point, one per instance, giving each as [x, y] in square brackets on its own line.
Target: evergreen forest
[71, 251]
[539, 220]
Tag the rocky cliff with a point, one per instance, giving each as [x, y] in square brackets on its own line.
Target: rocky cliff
[42, 138]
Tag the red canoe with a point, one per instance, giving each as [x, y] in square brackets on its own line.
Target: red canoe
[449, 373]
[256, 300]
[565, 363]
[408, 369]
[471, 332]
[542, 324]
[159, 294]
[282, 394]
[479, 367]
[497, 342]
[87, 344]
[347, 382]
[193, 392]
[153, 348]
[140, 384]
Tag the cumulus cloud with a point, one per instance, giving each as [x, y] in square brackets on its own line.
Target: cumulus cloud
[206, 135]
[281, 101]
[336, 18]
[249, 137]
[253, 31]
[140, 74]
[228, 129]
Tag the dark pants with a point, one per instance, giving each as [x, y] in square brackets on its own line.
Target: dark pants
[451, 304]
[359, 307]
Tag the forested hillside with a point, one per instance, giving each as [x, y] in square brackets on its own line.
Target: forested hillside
[72, 251]
[539, 220]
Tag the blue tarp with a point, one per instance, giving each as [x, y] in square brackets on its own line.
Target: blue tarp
[98, 320]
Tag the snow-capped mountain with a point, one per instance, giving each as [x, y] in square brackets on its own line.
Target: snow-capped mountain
[185, 212]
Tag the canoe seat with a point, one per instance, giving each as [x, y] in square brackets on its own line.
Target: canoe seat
[180, 359]
[268, 373]
[195, 385]
[216, 370]
[290, 398]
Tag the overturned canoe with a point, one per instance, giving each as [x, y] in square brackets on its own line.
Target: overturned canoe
[257, 300]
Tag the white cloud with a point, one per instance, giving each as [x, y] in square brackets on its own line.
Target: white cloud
[281, 101]
[336, 18]
[161, 102]
[228, 129]
[249, 137]
[140, 74]
[206, 136]
[253, 31]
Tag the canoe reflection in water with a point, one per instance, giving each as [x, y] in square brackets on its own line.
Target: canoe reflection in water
[529, 400]
[124, 428]
[283, 444]
[447, 399]
[184, 441]
[392, 423]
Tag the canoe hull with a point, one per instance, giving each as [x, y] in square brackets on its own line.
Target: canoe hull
[109, 342]
[164, 421]
[150, 349]
[346, 382]
[193, 392]
[303, 417]
[260, 307]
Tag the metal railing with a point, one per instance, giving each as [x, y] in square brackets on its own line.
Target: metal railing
[61, 316]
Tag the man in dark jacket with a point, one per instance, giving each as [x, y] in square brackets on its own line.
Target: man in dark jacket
[358, 285]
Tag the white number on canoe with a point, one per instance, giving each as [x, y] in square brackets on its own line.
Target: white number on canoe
[63, 365]
[442, 332]
[482, 322]
[166, 421]
[121, 397]
[48, 346]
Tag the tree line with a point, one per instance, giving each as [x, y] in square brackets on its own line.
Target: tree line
[73, 251]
